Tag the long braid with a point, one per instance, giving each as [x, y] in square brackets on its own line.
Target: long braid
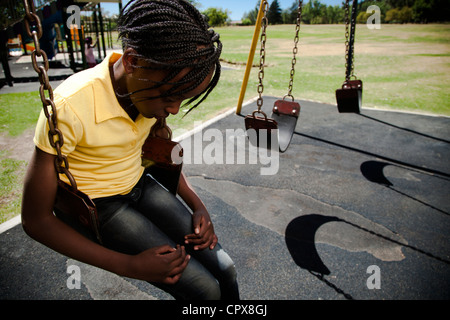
[172, 35]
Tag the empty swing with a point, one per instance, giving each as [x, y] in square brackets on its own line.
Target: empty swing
[284, 113]
[349, 96]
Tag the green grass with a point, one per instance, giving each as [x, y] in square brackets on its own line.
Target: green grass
[403, 67]
[19, 111]
[11, 175]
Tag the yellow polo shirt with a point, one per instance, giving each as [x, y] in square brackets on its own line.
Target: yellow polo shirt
[102, 144]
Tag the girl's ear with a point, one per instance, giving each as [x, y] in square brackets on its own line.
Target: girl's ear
[129, 60]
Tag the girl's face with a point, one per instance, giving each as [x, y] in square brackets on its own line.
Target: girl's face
[141, 79]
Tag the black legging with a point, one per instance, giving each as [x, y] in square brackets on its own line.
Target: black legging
[150, 216]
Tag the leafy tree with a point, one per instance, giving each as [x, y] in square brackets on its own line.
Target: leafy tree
[313, 12]
[217, 16]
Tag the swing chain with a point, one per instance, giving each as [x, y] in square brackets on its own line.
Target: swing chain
[295, 49]
[55, 135]
[347, 35]
[347, 41]
[262, 55]
[353, 21]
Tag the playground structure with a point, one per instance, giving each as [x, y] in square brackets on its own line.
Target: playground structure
[63, 42]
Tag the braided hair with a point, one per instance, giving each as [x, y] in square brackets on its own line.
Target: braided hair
[172, 35]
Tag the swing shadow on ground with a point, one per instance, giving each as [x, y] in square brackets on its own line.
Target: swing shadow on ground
[391, 160]
[300, 240]
[373, 171]
[299, 236]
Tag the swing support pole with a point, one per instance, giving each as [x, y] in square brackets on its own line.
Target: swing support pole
[250, 57]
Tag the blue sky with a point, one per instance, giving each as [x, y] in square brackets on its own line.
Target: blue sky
[237, 7]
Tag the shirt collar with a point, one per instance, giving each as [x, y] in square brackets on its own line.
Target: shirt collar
[105, 101]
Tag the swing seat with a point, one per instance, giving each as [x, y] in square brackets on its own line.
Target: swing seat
[263, 126]
[73, 205]
[349, 97]
[285, 113]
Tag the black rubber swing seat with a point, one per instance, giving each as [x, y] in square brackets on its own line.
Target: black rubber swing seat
[349, 97]
[283, 119]
[286, 114]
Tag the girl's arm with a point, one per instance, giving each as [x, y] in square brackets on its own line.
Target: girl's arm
[204, 235]
[161, 264]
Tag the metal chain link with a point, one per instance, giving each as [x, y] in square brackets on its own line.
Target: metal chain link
[347, 36]
[353, 21]
[350, 74]
[55, 136]
[295, 49]
[262, 55]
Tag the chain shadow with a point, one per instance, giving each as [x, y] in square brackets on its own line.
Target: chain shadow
[404, 129]
[433, 172]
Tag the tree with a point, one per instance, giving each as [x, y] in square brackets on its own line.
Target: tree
[393, 16]
[405, 15]
[313, 12]
[217, 16]
[274, 14]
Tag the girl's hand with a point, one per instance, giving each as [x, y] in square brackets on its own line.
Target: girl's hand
[162, 264]
[204, 235]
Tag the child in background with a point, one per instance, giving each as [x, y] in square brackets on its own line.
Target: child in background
[89, 52]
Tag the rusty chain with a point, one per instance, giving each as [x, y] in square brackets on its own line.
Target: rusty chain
[55, 136]
[262, 55]
[353, 22]
[295, 49]
[347, 35]
[347, 41]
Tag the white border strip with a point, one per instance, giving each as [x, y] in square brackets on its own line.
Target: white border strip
[5, 226]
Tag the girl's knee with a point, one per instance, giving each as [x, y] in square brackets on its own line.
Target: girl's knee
[226, 265]
[207, 289]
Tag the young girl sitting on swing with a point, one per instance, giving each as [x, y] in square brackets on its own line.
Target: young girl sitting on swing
[105, 114]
